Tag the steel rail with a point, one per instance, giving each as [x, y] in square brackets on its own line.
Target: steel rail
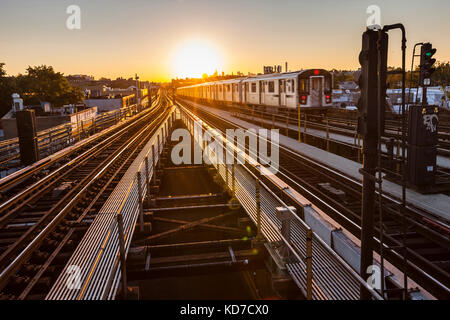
[26, 173]
[393, 255]
[270, 201]
[101, 270]
[36, 241]
[30, 189]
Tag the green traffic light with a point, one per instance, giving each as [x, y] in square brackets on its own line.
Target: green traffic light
[428, 54]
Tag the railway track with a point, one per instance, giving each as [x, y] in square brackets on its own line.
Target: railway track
[347, 126]
[41, 225]
[12, 185]
[424, 240]
[350, 150]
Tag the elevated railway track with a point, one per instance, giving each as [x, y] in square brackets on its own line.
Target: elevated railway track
[42, 221]
[414, 241]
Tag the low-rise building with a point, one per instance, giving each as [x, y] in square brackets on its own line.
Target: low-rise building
[107, 103]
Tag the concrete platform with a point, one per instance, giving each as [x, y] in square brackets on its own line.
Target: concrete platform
[441, 161]
[434, 204]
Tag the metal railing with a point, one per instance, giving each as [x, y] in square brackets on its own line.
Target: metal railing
[318, 270]
[57, 138]
[101, 253]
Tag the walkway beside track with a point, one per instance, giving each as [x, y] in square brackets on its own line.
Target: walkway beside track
[441, 161]
[435, 204]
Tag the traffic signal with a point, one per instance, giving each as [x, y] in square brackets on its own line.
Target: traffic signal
[368, 82]
[426, 64]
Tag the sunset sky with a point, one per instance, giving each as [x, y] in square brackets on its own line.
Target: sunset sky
[162, 39]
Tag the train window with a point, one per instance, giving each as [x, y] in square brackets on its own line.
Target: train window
[254, 87]
[282, 85]
[291, 85]
[328, 83]
[228, 88]
[271, 87]
[304, 85]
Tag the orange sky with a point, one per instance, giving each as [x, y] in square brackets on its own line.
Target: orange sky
[158, 39]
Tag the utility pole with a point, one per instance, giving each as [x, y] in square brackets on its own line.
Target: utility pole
[137, 90]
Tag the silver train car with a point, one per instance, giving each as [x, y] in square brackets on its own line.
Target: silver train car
[310, 88]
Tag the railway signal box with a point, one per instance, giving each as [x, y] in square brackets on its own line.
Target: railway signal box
[372, 67]
[27, 132]
[422, 145]
[423, 125]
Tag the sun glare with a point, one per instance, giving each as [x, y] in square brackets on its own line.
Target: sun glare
[196, 58]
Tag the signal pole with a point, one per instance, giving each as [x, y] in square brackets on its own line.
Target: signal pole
[367, 127]
[371, 106]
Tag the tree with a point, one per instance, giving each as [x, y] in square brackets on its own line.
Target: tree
[43, 84]
[341, 76]
[7, 88]
[2, 71]
[441, 76]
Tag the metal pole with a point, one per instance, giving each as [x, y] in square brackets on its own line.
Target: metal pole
[304, 137]
[309, 274]
[159, 143]
[141, 207]
[153, 164]
[123, 265]
[299, 125]
[233, 181]
[405, 275]
[147, 174]
[328, 136]
[159, 151]
[370, 140]
[380, 111]
[424, 96]
[404, 171]
[258, 208]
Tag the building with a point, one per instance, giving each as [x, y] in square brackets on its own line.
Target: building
[111, 103]
[44, 122]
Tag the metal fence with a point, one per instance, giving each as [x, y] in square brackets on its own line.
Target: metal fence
[319, 271]
[99, 257]
[59, 137]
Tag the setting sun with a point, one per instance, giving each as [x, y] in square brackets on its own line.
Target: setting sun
[195, 58]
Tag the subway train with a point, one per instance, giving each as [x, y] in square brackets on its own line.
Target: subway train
[310, 89]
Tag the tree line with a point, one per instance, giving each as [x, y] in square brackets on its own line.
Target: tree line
[38, 84]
